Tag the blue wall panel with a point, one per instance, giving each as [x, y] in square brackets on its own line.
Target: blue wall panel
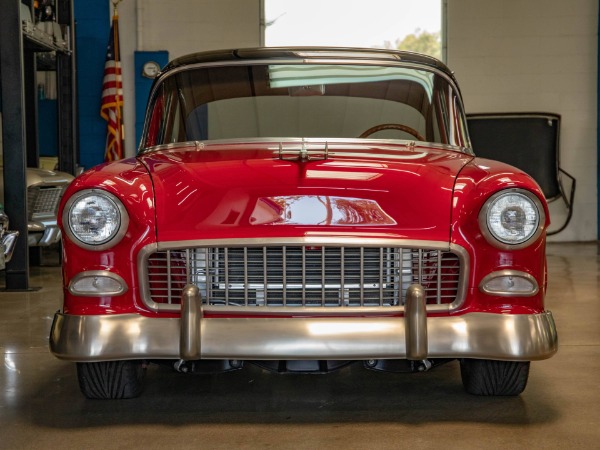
[92, 19]
[47, 127]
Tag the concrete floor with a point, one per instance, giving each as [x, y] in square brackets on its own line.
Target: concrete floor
[41, 406]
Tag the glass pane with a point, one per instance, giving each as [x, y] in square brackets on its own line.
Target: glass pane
[308, 101]
[412, 25]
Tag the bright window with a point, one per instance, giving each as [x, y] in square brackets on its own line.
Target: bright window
[413, 25]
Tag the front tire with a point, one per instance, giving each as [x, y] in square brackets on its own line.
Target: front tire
[489, 377]
[111, 379]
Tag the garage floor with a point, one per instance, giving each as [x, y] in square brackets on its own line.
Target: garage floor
[41, 407]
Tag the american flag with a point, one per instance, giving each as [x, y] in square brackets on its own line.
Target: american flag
[111, 109]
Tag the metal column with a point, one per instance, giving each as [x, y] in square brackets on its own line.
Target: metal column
[67, 94]
[14, 140]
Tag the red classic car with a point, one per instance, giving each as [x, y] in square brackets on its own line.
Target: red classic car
[303, 209]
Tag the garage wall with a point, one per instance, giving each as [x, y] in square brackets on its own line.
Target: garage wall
[180, 27]
[538, 55]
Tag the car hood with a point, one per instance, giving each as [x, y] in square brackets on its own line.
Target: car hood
[35, 176]
[45, 177]
[291, 189]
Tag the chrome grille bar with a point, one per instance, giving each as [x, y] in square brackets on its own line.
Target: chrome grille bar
[226, 251]
[439, 276]
[43, 201]
[284, 276]
[323, 276]
[303, 276]
[381, 272]
[245, 263]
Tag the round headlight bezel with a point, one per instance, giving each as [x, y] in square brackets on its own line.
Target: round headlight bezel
[496, 240]
[109, 242]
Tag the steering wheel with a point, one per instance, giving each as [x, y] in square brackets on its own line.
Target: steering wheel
[392, 126]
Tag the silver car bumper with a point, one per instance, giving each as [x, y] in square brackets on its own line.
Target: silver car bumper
[42, 234]
[7, 246]
[513, 337]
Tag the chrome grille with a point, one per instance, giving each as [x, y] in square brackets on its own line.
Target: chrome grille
[307, 276]
[43, 201]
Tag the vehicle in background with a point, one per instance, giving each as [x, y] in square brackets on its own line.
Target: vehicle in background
[44, 191]
[8, 239]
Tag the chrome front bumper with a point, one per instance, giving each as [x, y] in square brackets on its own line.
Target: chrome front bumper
[7, 246]
[415, 336]
[41, 234]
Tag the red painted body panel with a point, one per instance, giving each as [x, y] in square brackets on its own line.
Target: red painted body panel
[130, 182]
[243, 191]
[475, 184]
[246, 191]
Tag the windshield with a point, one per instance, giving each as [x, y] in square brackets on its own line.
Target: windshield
[305, 101]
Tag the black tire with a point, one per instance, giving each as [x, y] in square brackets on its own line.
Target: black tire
[111, 379]
[487, 377]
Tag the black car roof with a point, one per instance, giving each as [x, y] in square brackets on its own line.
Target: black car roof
[302, 53]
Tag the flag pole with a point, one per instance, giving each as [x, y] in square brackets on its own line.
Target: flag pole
[117, 44]
[112, 95]
[115, 4]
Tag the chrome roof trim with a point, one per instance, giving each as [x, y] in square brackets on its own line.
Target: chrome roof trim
[306, 52]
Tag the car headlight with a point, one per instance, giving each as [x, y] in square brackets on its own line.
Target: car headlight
[512, 218]
[95, 219]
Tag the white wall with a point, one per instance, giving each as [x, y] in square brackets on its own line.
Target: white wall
[509, 55]
[180, 27]
[535, 55]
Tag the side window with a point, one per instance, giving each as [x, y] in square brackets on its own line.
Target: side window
[153, 132]
[169, 125]
[165, 125]
[442, 114]
[461, 125]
